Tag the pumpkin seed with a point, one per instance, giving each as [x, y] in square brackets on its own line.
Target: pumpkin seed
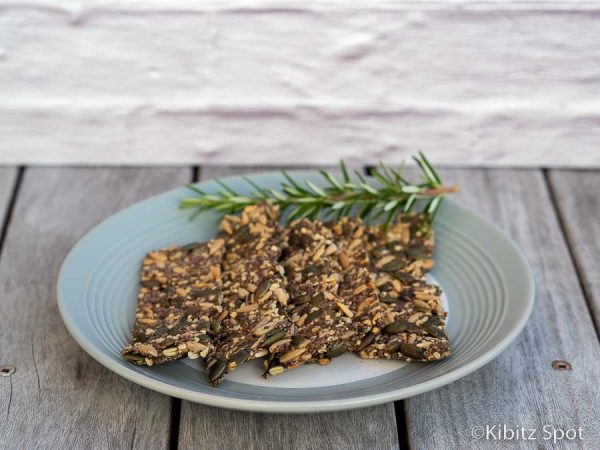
[387, 299]
[317, 299]
[173, 331]
[242, 234]
[366, 341]
[392, 347]
[336, 349]
[274, 338]
[161, 331]
[433, 321]
[435, 332]
[298, 339]
[417, 251]
[262, 288]
[397, 327]
[308, 270]
[240, 357]
[226, 337]
[215, 326]
[385, 287]
[294, 240]
[393, 265]
[403, 277]
[301, 299]
[133, 358]
[346, 229]
[306, 240]
[312, 316]
[204, 338]
[203, 293]
[150, 283]
[272, 332]
[217, 370]
[411, 350]
[192, 311]
[141, 337]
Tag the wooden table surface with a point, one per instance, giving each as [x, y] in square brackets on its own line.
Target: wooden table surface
[59, 397]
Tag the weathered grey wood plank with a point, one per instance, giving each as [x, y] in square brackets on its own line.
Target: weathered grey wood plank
[578, 202]
[520, 388]
[60, 397]
[214, 428]
[8, 177]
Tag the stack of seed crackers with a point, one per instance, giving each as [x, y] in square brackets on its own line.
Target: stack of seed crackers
[301, 294]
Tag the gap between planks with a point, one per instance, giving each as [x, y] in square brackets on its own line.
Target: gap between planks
[520, 387]
[60, 396]
[572, 236]
[8, 199]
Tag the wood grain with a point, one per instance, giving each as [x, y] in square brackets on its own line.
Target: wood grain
[8, 177]
[520, 388]
[577, 200]
[214, 428]
[60, 397]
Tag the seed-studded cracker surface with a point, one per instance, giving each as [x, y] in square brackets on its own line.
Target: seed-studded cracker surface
[413, 325]
[254, 290]
[321, 320]
[357, 287]
[180, 294]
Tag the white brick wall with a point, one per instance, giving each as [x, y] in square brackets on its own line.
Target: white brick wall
[470, 82]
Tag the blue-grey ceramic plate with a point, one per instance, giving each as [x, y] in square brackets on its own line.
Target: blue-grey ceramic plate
[488, 285]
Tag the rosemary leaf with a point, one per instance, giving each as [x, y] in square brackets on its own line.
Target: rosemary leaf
[391, 194]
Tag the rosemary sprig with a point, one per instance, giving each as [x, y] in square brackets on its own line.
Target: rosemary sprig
[341, 197]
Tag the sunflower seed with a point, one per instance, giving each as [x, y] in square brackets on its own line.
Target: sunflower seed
[172, 351]
[291, 355]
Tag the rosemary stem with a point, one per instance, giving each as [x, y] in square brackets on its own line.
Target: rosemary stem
[393, 194]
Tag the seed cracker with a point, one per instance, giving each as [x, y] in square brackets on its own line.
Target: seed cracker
[180, 295]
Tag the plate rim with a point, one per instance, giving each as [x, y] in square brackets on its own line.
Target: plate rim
[298, 407]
